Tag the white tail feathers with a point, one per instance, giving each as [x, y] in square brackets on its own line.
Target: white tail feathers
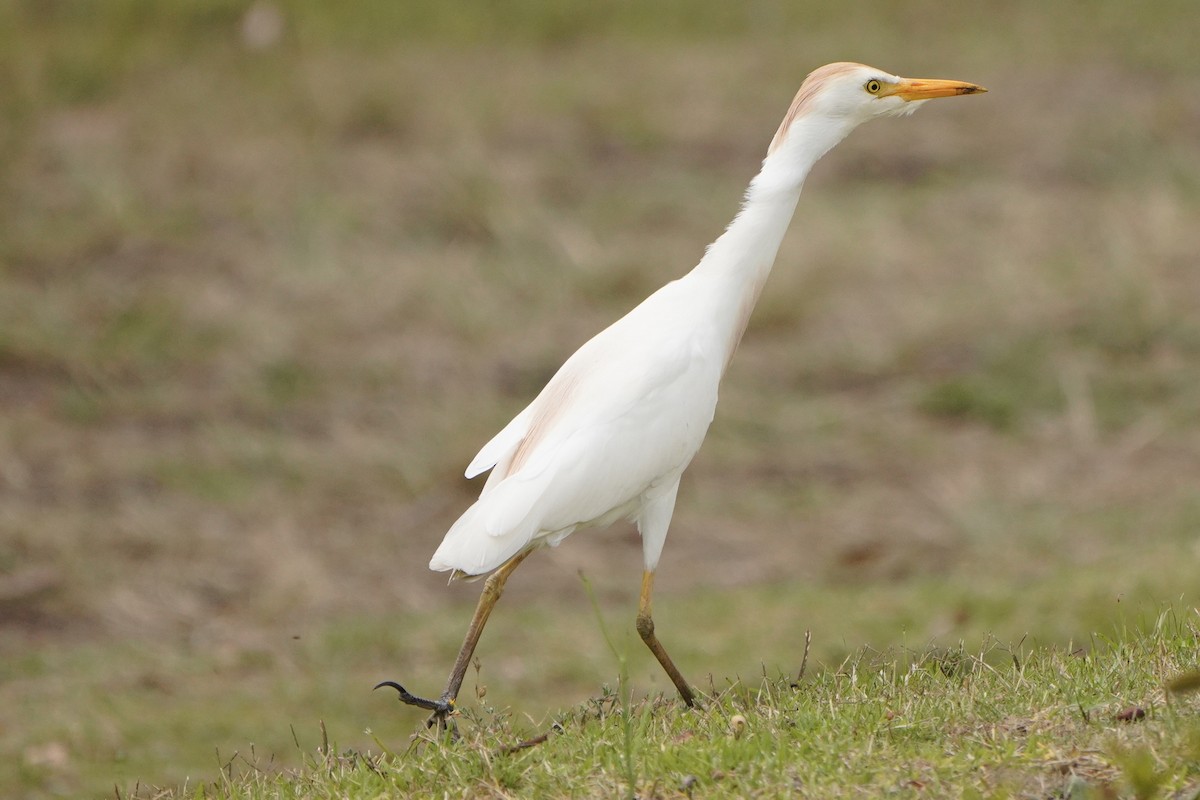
[468, 548]
[500, 524]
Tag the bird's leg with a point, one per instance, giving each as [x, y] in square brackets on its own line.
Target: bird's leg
[645, 629]
[493, 587]
[443, 707]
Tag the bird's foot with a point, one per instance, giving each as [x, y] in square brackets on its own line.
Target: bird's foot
[443, 708]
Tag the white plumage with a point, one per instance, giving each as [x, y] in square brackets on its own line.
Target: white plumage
[613, 430]
[606, 439]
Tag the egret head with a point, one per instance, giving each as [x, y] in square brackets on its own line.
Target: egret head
[842, 96]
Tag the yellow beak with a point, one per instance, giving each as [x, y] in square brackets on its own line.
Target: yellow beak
[924, 89]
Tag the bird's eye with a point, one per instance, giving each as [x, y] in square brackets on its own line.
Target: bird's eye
[873, 86]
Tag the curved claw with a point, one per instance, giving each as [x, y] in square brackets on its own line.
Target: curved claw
[440, 707]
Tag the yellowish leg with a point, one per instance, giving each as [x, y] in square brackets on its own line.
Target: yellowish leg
[493, 587]
[645, 629]
[443, 707]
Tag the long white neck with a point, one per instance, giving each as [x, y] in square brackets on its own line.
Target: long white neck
[737, 264]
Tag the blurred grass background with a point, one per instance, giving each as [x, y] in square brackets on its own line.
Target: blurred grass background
[270, 273]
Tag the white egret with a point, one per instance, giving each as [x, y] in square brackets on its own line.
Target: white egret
[613, 430]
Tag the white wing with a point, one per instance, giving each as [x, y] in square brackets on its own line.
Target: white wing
[503, 444]
[612, 430]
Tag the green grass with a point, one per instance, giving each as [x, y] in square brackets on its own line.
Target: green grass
[187, 710]
[997, 720]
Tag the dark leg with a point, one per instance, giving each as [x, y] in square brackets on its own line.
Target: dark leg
[443, 707]
[645, 629]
